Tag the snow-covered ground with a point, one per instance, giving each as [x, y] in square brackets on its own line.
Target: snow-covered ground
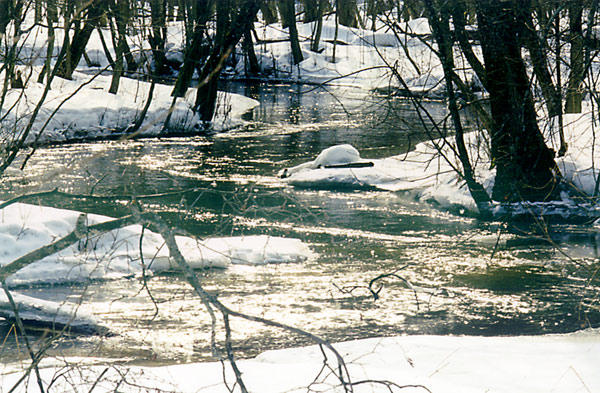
[362, 57]
[562, 363]
[94, 113]
[545, 364]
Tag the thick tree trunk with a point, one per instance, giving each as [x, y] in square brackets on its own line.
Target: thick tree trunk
[269, 11]
[158, 36]
[346, 11]
[224, 9]
[9, 10]
[574, 92]
[252, 66]
[288, 16]
[120, 13]
[207, 88]
[411, 9]
[311, 10]
[525, 167]
[194, 51]
[316, 38]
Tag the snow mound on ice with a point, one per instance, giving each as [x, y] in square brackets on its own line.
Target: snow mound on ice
[44, 313]
[24, 228]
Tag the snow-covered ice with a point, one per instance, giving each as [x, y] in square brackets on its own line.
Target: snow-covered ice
[554, 363]
[49, 314]
[25, 228]
[431, 176]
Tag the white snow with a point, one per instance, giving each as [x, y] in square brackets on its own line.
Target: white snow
[49, 314]
[529, 364]
[25, 228]
[95, 113]
[551, 363]
[431, 176]
[362, 56]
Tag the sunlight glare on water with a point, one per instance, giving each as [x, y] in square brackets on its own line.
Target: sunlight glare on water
[446, 273]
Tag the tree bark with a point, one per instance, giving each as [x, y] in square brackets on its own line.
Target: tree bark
[120, 12]
[252, 66]
[439, 19]
[347, 10]
[458, 18]
[288, 16]
[311, 10]
[80, 40]
[209, 75]
[52, 18]
[9, 10]
[193, 52]
[268, 11]
[538, 55]
[574, 96]
[158, 36]
[525, 167]
[316, 38]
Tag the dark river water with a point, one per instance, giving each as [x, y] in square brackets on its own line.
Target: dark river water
[466, 276]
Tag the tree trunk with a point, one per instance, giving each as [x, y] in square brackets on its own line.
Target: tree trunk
[439, 19]
[311, 10]
[574, 92]
[288, 16]
[207, 88]
[224, 10]
[158, 36]
[525, 167]
[316, 38]
[412, 9]
[193, 52]
[5, 15]
[346, 11]
[52, 18]
[121, 18]
[372, 12]
[458, 17]
[540, 65]
[252, 66]
[80, 41]
[268, 11]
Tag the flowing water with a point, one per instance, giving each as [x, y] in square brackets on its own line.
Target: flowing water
[447, 273]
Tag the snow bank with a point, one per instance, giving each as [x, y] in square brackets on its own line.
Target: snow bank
[422, 171]
[362, 56]
[24, 228]
[554, 363]
[95, 113]
[432, 177]
[48, 314]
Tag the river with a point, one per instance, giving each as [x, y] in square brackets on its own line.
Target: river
[452, 274]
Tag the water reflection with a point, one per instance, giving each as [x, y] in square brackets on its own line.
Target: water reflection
[466, 277]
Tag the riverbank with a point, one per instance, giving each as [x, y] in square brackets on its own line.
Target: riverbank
[554, 363]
